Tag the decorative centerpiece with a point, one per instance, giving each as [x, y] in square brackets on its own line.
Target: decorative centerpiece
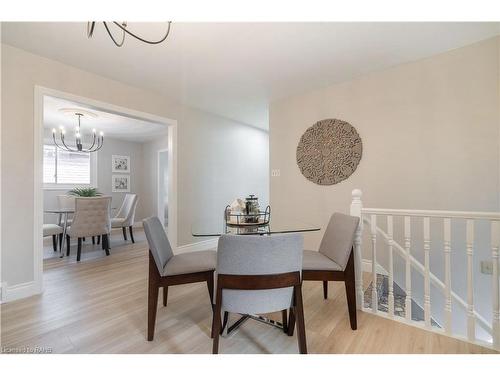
[246, 213]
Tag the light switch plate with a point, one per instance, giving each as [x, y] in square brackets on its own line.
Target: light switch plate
[275, 172]
[487, 267]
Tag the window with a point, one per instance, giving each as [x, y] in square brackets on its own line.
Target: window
[66, 168]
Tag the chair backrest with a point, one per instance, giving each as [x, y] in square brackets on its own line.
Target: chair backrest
[258, 255]
[339, 237]
[66, 201]
[127, 210]
[92, 217]
[158, 242]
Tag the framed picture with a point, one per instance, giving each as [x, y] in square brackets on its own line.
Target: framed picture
[120, 184]
[120, 164]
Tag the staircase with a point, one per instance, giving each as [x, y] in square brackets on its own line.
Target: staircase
[417, 312]
[386, 298]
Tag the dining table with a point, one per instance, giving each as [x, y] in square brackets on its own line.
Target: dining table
[63, 218]
[211, 228]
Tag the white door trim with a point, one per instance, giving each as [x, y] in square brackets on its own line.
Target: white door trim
[159, 209]
[39, 94]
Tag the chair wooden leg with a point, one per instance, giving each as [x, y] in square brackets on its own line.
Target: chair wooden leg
[216, 321]
[124, 230]
[68, 247]
[291, 322]
[153, 289]
[301, 328]
[60, 240]
[131, 234]
[54, 242]
[284, 320]
[105, 243]
[93, 240]
[325, 289]
[350, 290]
[98, 240]
[165, 295]
[79, 251]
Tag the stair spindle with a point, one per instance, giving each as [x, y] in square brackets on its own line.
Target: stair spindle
[390, 232]
[447, 274]
[471, 329]
[373, 227]
[495, 244]
[427, 278]
[407, 236]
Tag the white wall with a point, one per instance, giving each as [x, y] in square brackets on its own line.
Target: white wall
[430, 132]
[201, 147]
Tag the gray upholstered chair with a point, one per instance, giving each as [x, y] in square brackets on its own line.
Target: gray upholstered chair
[92, 218]
[259, 274]
[55, 231]
[126, 215]
[167, 269]
[335, 259]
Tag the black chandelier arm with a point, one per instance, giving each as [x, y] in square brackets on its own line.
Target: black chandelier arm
[138, 37]
[111, 35]
[90, 29]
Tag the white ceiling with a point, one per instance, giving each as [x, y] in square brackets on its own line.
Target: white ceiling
[112, 125]
[236, 69]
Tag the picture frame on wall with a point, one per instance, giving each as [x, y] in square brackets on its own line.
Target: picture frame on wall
[120, 183]
[120, 164]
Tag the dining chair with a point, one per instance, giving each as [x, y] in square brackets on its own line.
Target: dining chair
[126, 215]
[335, 259]
[259, 274]
[66, 202]
[92, 218]
[167, 269]
[55, 231]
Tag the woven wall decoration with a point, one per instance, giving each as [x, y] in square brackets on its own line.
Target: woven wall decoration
[329, 152]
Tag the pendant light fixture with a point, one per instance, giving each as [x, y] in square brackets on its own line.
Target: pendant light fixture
[119, 40]
[97, 140]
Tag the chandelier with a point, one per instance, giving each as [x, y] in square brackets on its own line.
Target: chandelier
[123, 27]
[97, 140]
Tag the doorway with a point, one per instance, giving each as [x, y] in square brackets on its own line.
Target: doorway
[41, 95]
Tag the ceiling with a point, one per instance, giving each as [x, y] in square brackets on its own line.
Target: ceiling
[236, 69]
[112, 125]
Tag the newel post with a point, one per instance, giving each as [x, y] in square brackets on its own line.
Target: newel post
[356, 207]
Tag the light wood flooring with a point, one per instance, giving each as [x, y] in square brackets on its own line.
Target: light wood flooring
[99, 306]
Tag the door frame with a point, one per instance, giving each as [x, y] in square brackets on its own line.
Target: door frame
[158, 209]
[39, 93]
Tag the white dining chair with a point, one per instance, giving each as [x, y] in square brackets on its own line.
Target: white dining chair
[64, 202]
[92, 218]
[55, 231]
[126, 215]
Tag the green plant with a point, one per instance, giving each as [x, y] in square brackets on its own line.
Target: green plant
[84, 192]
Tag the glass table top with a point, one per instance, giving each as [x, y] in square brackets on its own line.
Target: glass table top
[214, 229]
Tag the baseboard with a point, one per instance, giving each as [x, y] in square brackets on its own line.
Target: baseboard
[18, 291]
[367, 267]
[198, 246]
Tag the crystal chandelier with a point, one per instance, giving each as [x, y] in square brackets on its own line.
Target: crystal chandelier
[123, 27]
[97, 140]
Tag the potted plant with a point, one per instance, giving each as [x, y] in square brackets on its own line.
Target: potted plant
[84, 192]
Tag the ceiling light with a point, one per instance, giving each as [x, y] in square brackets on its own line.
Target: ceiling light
[123, 27]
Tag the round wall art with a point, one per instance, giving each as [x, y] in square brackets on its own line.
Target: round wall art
[329, 152]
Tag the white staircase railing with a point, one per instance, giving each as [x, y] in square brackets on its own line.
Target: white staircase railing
[369, 216]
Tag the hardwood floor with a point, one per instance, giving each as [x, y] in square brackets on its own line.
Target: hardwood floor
[100, 306]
